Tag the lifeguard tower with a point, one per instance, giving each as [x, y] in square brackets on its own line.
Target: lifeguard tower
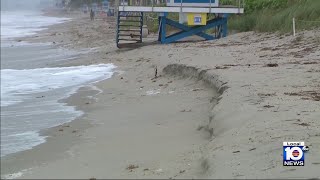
[196, 17]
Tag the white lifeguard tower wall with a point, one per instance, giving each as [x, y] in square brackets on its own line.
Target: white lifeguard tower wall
[193, 3]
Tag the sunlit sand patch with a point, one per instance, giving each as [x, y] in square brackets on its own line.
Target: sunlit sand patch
[153, 92]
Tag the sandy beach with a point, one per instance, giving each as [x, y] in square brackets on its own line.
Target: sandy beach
[217, 109]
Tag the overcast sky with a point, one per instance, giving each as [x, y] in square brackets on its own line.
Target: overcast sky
[24, 4]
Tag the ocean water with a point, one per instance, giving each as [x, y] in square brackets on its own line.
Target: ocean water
[22, 23]
[31, 87]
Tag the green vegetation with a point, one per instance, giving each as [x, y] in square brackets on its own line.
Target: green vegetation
[260, 15]
[276, 15]
[266, 15]
[153, 24]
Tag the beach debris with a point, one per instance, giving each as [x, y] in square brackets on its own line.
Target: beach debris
[132, 166]
[302, 124]
[261, 56]
[154, 78]
[66, 126]
[266, 94]
[272, 65]
[182, 171]
[40, 96]
[197, 89]
[293, 120]
[53, 42]
[141, 87]
[235, 151]
[146, 169]
[189, 110]
[74, 131]
[306, 95]
[160, 85]
[252, 149]
[169, 82]
[222, 67]
[19, 40]
[121, 78]
[156, 72]
[61, 130]
[87, 103]
[154, 81]
[268, 106]
[92, 178]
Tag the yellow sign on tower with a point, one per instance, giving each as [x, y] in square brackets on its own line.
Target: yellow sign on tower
[197, 19]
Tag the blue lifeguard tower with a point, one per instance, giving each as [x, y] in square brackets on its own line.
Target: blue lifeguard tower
[105, 5]
[195, 18]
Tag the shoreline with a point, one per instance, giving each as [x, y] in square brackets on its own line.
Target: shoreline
[54, 134]
[50, 134]
[259, 107]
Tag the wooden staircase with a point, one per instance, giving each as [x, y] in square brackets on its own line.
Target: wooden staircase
[129, 29]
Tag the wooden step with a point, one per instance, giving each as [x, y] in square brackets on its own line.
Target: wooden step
[131, 16]
[131, 35]
[129, 25]
[129, 40]
[128, 20]
[133, 30]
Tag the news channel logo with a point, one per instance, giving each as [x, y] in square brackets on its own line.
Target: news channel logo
[294, 153]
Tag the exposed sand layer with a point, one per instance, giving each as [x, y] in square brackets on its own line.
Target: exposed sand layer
[220, 109]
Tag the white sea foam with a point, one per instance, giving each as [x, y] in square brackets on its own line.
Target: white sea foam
[29, 100]
[15, 175]
[23, 23]
[16, 84]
